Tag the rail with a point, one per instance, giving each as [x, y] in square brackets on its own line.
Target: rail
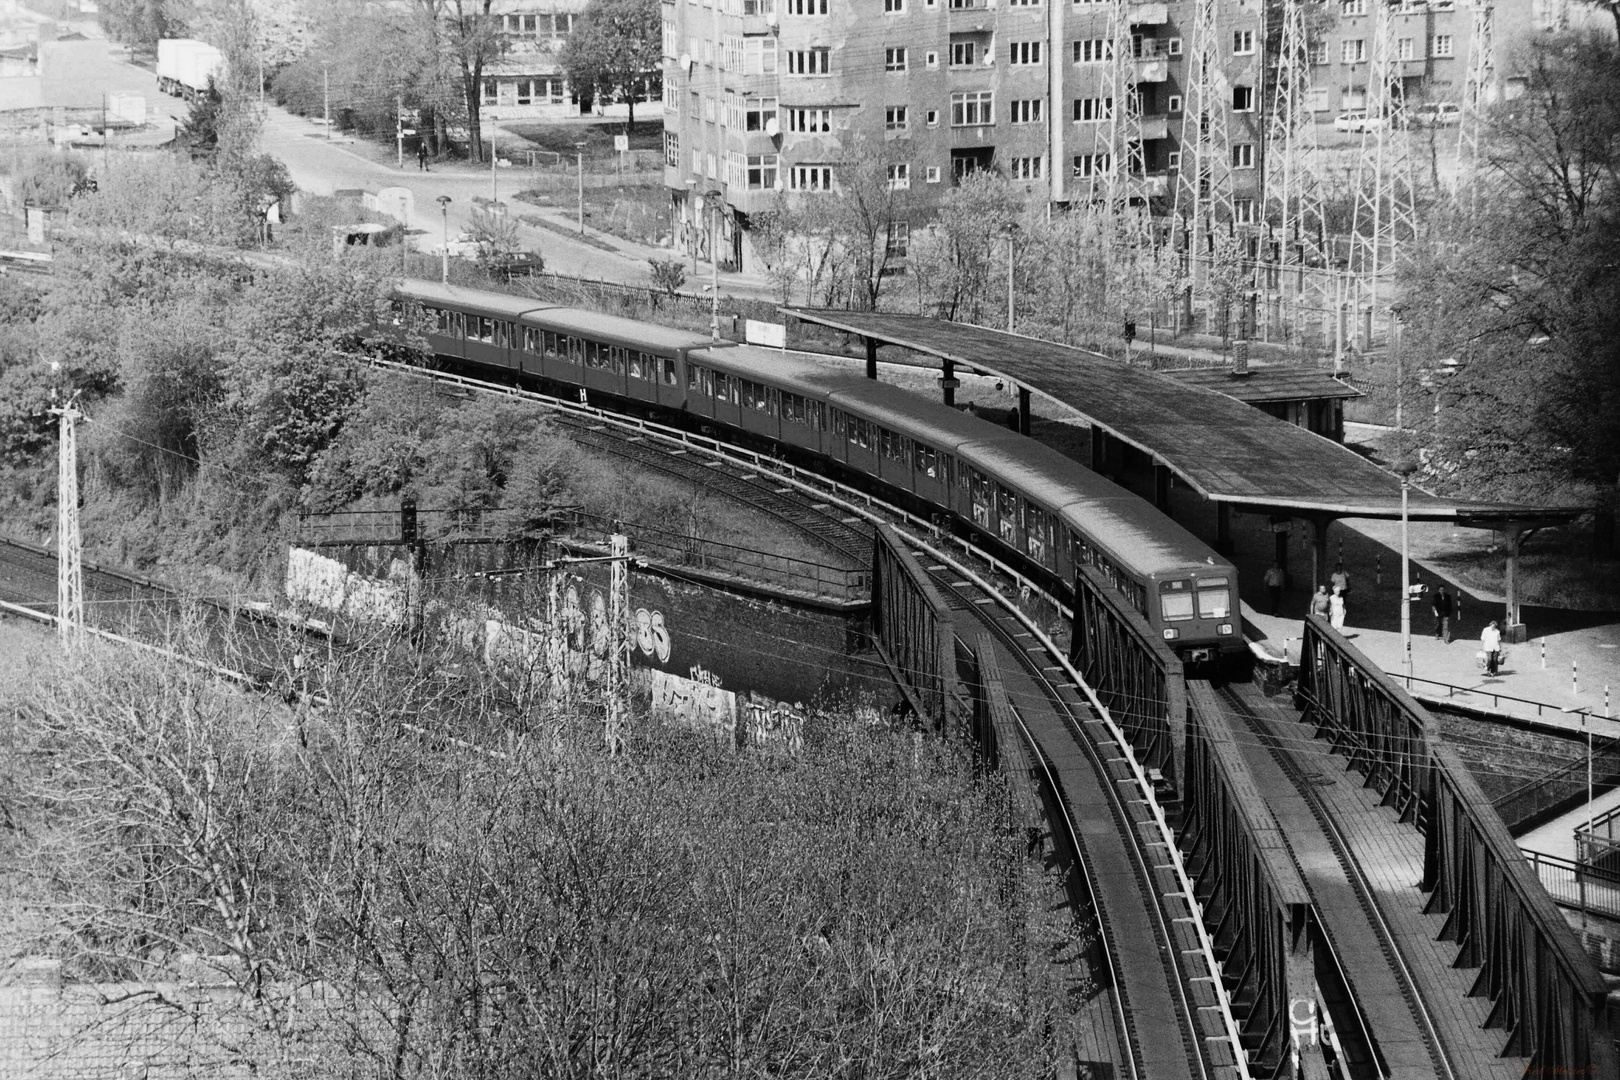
[1558, 789]
[1452, 689]
[1547, 994]
[879, 512]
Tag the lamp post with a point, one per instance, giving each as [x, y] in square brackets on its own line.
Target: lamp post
[713, 196]
[326, 98]
[579, 157]
[1012, 231]
[493, 158]
[444, 213]
[694, 204]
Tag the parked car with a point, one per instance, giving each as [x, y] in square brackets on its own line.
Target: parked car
[1354, 120]
[1436, 114]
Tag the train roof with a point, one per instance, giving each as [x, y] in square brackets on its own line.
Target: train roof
[478, 301]
[1117, 520]
[632, 332]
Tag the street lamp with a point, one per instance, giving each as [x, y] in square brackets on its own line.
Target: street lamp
[713, 196]
[579, 157]
[444, 213]
[1012, 231]
[694, 203]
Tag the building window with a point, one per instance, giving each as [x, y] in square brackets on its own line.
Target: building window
[1352, 7]
[1243, 155]
[1092, 164]
[1026, 168]
[899, 176]
[807, 7]
[1242, 42]
[1172, 46]
[1442, 45]
[810, 178]
[1093, 50]
[759, 7]
[1352, 51]
[1319, 99]
[1172, 104]
[816, 61]
[894, 7]
[757, 112]
[1024, 52]
[963, 53]
[1319, 52]
[931, 174]
[899, 239]
[895, 118]
[491, 92]
[694, 105]
[758, 56]
[932, 117]
[1091, 109]
[974, 108]
[1243, 211]
[894, 59]
[931, 59]
[762, 170]
[708, 109]
[697, 162]
[672, 149]
[1026, 111]
[1172, 160]
[810, 120]
[1242, 99]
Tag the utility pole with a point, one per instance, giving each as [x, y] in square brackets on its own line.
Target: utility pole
[326, 98]
[444, 215]
[579, 155]
[69, 567]
[1012, 232]
[493, 157]
[399, 128]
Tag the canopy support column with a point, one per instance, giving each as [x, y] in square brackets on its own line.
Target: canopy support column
[1319, 531]
[1161, 487]
[1223, 528]
[1099, 449]
[1513, 626]
[871, 357]
[947, 382]
[1023, 410]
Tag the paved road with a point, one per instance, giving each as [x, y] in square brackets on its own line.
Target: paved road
[322, 167]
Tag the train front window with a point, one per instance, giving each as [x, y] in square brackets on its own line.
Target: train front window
[1214, 598]
[1176, 600]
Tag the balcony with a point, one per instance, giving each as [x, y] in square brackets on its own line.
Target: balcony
[1155, 127]
[1156, 185]
[1152, 71]
[1148, 14]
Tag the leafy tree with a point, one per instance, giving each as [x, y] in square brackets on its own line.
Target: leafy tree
[667, 274]
[616, 50]
[955, 262]
[49, 178]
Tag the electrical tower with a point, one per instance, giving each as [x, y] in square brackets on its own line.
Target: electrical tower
[1479, 89]
[1293, 194]
[1121, 188]
[1204, 177]
[69, 564]
[1385, 215]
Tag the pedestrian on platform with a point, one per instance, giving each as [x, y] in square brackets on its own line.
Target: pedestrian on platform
[1490, 640]
[421, 156]
[1274, 587]
[1321, 603]
[1336, 608]
[1340, 580]
[1441, 602]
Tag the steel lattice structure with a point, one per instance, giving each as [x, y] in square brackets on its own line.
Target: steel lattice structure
[1479, 89]
[1385, 214]
[1204, 178]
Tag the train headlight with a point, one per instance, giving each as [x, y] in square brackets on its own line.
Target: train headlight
[1171, 633]
[1224, 628]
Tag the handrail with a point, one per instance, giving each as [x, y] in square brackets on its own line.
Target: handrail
[1496, 698]
[790, 474]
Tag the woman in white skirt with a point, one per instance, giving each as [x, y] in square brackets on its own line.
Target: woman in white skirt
[1336, 608]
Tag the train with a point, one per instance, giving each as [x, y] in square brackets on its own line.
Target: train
[1032, 506]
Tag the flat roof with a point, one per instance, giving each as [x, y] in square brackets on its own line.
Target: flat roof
[1222, 448]
[1276, 382]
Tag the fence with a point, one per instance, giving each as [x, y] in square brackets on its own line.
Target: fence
[1545, 992]
[1131, 670]
[912, 629]
[1595, 890]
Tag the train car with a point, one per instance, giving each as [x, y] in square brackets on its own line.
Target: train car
[1042, 510]
[1037, 508]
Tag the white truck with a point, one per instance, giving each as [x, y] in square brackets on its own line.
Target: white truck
[185, 65]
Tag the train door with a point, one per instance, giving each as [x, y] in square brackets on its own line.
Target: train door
[757, 412]
[798, 421]
[894, 454]
[699, 390]
[1038, 543]
[727, 399]
[560, 358]
[860, 448]
[928, 474]
[979, 498]
[448, 334]
[597, 370]
[1008, 526]
[507, 344]
[480, 342]
[641, 375]
[668, 390]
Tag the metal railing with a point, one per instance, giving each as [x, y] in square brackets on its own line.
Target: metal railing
[1452, 690]
[1594, 890]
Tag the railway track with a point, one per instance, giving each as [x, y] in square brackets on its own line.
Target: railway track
[1391, 1032]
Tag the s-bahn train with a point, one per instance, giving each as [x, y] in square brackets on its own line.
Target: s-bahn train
[1030, 504]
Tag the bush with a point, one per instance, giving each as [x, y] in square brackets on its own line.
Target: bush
[668, 274]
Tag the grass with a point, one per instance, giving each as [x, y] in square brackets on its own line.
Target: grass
[560, 138]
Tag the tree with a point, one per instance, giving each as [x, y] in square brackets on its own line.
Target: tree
[471, 38]
[955, 261]
[615, 50]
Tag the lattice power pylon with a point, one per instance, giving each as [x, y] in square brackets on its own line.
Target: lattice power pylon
[1385, 215]
[1479, 89]
[1122, 187]
[1204, 178]
[1293, 194]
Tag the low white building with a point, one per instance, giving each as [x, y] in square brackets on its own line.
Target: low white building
[528, 81]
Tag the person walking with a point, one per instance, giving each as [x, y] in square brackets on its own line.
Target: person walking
[421, 156]
[1340, 580]
[1441, 602]
[1320, 603]
[1336, 608]
[1274, 587]
[1490, 640]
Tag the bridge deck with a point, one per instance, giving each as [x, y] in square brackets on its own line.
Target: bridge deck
[1390, 856]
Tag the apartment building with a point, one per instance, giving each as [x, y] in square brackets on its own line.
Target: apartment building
[527, 82]
[765, 96]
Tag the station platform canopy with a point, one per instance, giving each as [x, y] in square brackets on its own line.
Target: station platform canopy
[1225, 450]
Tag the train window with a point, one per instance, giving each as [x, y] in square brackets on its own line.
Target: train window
[1035, 532]
[749, 389]
[694, 375]
[531, 339]
[441, 318]
[836, 422]
[503, 335]
[1214, 599]
[670, 376]
[927, 461]
[1176, 600]
[1007, 513]
[486, 329]
[815, 415]
[595, 354]
[638, 369]
[620, 358]
[772, 397]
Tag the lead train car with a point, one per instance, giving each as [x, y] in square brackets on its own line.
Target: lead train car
[1038, 506]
